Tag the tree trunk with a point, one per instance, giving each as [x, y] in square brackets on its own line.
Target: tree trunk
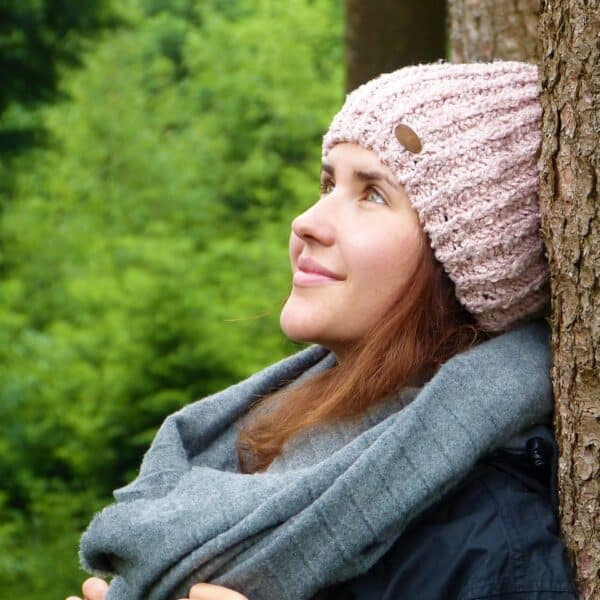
[481, 30]
[569, 191]
[562, 38]
[383, 35]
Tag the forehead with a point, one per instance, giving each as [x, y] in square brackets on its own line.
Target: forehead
[354, 155]
[353, 161]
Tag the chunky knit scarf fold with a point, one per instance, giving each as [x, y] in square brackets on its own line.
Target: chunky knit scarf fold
[337, 498]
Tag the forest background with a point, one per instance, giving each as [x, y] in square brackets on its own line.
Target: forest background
[152, 155]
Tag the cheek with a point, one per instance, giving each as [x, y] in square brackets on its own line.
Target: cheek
[383, 267]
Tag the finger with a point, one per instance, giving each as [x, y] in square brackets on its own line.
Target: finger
[94, 588]
[208, 591]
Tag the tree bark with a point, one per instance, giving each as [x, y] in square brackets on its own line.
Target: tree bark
[569, 192]
[481, 30]
[562, 37]
[383, 35]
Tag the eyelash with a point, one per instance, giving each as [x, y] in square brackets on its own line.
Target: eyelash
[325, 183]
[323, 186]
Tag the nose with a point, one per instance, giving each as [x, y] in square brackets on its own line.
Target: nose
[316, 224]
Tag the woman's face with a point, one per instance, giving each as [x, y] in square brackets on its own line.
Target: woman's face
[364, 237]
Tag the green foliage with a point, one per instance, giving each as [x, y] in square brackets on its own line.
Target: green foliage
[37, 38]
[144, 256]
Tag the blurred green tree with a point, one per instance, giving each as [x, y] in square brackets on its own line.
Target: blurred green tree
[37, 37]
[140, 243]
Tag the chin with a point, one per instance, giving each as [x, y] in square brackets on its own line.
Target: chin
[295, 329]
[297, 323]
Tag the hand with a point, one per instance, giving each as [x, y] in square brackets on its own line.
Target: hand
[208, 591]
[93, 589]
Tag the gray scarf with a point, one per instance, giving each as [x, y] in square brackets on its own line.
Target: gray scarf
[334, 502]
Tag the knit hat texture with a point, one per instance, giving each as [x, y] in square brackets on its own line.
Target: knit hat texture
[463, 140]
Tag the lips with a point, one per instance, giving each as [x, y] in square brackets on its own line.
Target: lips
[309, 265]
[310, 273]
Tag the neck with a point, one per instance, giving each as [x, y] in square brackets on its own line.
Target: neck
[343, 353]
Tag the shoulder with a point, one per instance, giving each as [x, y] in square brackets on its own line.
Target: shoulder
[493, 536]
[511, 496]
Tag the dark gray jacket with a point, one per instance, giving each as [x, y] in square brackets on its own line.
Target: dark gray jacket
[494, 536]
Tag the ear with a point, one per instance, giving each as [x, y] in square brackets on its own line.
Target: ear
[408, 138]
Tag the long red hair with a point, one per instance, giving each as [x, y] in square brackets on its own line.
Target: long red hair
[424, 327]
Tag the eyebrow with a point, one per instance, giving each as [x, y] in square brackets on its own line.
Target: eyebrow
[363, 175]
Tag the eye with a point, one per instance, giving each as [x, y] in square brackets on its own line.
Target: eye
[326, 186]
[374, 195]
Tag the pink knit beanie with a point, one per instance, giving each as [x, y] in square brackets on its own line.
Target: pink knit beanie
[463, 140]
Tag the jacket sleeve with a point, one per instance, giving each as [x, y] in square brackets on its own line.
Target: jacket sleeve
[494, 536]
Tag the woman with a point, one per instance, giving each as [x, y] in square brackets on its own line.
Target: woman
[409, 452]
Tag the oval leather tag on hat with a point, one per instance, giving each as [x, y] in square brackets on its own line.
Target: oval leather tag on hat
[408, 138]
